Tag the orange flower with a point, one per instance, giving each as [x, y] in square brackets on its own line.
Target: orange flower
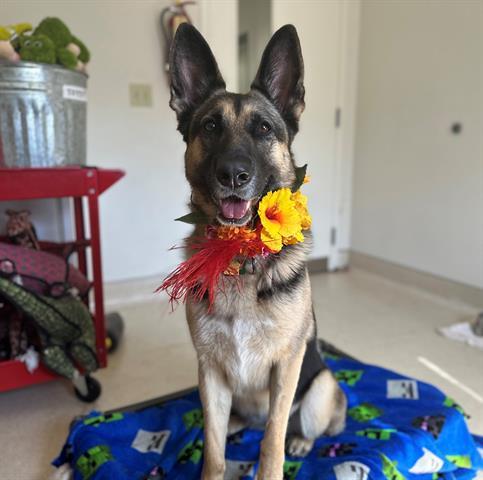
[230, 233]
[248, 239]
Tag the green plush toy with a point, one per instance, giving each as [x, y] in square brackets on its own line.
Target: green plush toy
[51, 42]
[58, 32]
[37, 48]
[69, 50]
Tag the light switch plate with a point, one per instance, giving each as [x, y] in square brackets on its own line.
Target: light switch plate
[140, 95]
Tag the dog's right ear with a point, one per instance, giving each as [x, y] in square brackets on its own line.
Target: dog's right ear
[194, 72]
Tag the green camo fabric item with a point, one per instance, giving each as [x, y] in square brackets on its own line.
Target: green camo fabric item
[65, 328]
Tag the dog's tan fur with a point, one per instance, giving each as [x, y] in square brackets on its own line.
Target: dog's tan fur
[251, 343]
[250, 353]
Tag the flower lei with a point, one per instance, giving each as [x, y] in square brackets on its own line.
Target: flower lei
[282, 218]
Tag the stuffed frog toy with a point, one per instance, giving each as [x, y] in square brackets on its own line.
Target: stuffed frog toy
[37, 48]
[69, 50]
[51, 42]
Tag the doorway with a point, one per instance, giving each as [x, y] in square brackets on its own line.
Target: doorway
[322, 29]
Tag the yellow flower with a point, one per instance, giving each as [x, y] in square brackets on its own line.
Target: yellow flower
[273, 243]
[295, 239]
[281, 221]
[301, 205]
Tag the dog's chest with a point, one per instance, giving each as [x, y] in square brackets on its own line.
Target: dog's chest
[242, 345]
[244, 336]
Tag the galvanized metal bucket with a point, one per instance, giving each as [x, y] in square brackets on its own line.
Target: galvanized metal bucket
[43, 112]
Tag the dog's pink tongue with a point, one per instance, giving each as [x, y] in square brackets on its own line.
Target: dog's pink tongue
[235, 209]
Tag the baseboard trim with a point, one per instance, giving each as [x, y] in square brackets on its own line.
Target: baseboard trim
[318, 265]
[443, 287]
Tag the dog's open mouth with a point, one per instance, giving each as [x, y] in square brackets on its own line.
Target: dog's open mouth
[235, 210]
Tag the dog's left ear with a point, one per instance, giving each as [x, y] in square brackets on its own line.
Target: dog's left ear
[280, 76]
[194, 72]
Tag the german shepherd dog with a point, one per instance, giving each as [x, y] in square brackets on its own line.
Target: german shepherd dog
[257, 348]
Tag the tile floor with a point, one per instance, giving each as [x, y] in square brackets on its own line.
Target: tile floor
[373, 319]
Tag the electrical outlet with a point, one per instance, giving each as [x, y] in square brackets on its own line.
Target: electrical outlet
[140, 95]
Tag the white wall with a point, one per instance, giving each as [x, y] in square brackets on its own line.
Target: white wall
[255, 20]
[418, 189]
[219, 24]
[137, 214]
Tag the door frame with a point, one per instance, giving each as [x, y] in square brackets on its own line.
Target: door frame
[341, 195]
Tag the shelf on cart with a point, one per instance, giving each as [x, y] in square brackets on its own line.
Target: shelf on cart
[14, 374]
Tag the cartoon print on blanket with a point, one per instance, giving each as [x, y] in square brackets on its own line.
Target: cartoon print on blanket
[397, 428]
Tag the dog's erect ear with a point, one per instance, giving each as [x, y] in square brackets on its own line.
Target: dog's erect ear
[280, 76]
[194, 72]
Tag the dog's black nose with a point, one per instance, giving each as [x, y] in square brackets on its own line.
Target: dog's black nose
[232, 174]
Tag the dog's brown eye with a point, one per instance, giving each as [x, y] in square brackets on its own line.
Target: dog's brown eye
[265, 127]
[209, 125]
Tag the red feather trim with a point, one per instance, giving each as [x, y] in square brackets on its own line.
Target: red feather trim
[201, 273]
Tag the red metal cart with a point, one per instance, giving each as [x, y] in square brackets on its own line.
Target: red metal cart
[64, 182]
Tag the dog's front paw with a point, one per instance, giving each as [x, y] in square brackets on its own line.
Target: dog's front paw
[269, 472]
[299, 446]
[62, 473]
[266, 476]
[213, 471]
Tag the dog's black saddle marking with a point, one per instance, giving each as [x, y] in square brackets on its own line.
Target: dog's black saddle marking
[283, 287]
[312, 365]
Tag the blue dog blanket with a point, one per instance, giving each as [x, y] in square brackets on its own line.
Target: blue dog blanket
[397, 428]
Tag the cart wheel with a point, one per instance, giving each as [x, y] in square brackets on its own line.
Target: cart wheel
[114, 331]
[93, 390]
